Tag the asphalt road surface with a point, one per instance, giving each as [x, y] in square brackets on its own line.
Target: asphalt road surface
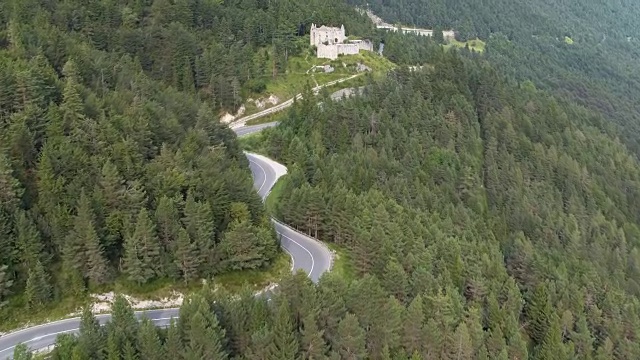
[307, 254]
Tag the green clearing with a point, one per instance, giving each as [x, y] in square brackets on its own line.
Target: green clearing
[258, 278]
[272, 200]
[342, 264]
[476, 45]
[298, 75]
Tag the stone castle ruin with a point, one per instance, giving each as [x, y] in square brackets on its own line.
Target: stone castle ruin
[332, 41]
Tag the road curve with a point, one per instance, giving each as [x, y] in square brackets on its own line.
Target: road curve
[307, 254]
[242, 121]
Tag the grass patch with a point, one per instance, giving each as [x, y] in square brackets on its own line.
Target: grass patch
[286, 85]
[258, 278]
[476, 45]
[342, 264]
[271, 202]
[267, 119]
[14, 315]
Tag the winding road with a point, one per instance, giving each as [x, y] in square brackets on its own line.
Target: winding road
[307, 254]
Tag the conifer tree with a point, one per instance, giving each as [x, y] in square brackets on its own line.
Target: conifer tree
[412, 326]
[198, 221]
[284, 344]
[350, 340]
[111, 192]
[142, 251]
[312, 344]
[395, 280]
[205, 339]
[463, 345]
[5, 285]
[28, 241]
[38, 289]
[83, 250]
[149, 345]
[10, 189]
[186, 256]
[173, 347]
[134, 201]
[261, 341]
[539, 312]
[242, 247]
[7, 240]
[91, 338]
[123, 320]
[167, 218]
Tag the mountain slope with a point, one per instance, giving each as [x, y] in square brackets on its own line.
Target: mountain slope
[450, 185]
[583, 50]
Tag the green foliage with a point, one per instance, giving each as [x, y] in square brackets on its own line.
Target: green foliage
[493, 202]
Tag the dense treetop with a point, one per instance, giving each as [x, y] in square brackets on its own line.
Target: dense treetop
[450, 186]
[112, 162]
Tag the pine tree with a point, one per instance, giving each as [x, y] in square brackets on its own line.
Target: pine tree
[72, 106]
[242, 247]
[5, 285]
[261, 341]
[9, 254]
[142, 251]
[552, 347]
[129, 351]
[38, 289]
[10, 189]
[412, 326]
[350, 340]
[28, 241]
[83, 251]
[463, 345]
[539, 311]
[111, 193]
[149, 345]
[199, 223]
[173, 348]
[134, 201]
[205, 339]
[167, 218]
[186, 256]
[284, 344]
[312, 344]
[123, 319]
[395, 280]
[91, 338]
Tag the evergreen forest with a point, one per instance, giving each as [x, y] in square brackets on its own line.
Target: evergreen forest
[113, 166]
[486, 210]
[585, 51]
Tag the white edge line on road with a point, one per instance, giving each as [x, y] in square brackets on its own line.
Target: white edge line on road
[295, 242]
[265, 176]
[313, 263]
[67, 331]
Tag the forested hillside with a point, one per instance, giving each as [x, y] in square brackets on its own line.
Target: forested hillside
[586, 51]
[113, 165]
[483, 221]
[500, 216]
